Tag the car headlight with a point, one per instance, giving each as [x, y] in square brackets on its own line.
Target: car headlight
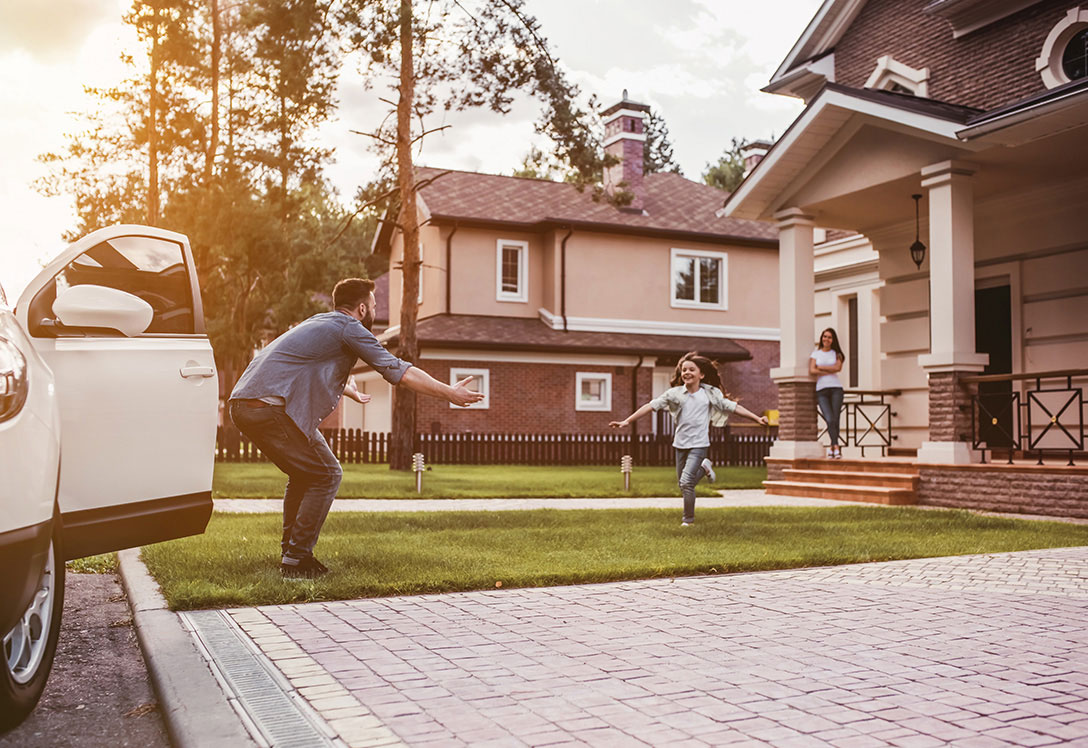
[13, 381]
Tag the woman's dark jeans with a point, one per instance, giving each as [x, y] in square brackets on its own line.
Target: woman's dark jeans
[313, 474]
[830, 401]
[689, 471]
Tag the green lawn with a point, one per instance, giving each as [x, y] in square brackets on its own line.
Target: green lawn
[393, 553]
[263, 480]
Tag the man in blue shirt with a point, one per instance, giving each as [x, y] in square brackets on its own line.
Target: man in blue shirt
[293, 384]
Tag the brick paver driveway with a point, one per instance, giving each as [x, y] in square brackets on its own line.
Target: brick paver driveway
[972, 651]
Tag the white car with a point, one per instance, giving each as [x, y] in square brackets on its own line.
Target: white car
[108, 402]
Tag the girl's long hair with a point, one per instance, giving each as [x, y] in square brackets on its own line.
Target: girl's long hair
[706, 366]
[834, 343]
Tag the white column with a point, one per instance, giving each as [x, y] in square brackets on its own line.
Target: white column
[796, 315]
[951, 287]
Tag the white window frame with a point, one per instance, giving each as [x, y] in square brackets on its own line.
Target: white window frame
[522, 295]
[1049, 62]
[605, 405]
[723, 281]
[458, 373]
[889, 72]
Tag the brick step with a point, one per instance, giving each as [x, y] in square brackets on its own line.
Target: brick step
[860, 466]
[842, 492]
[908, 481]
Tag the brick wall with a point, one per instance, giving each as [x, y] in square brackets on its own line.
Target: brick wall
[531, 398]
[1059, 491]
[750, 381]
[797, 411]
[987, 68]
[949, 408]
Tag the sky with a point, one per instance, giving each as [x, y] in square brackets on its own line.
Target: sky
[698, 63]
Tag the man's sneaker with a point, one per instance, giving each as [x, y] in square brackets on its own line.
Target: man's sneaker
[308, 568]
[708, 466]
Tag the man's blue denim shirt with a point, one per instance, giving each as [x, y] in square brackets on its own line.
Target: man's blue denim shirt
[309, 365]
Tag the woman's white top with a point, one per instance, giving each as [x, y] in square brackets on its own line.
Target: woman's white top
[826, 358]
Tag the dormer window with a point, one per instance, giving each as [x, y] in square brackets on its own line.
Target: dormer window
[891, 75]
[1064, 56]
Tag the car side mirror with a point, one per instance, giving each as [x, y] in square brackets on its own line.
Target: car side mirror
[100, 306]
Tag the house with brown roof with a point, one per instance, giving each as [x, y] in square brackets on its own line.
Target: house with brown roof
[570, 310]
[952, 137]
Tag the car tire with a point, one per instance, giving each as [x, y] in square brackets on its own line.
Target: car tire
[28, 648]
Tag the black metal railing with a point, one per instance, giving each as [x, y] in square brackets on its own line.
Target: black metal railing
[865, 420]
[1046, 418]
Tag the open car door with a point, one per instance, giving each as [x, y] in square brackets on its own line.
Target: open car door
[117, 316]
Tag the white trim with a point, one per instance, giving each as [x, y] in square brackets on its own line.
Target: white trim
[722, 303]
[640, 137]
[605, 404]
[842, 13]
[625, 113]
[522, 294]
[531, 357]
[890, 71]
[659, 327]
[458, 373]
[893, 117]
[1049, 62]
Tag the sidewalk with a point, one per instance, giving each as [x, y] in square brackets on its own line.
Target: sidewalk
[971, 650]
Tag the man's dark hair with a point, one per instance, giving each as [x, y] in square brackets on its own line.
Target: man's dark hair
[351, 292]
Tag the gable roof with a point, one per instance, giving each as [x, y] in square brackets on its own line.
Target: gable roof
[673, 206]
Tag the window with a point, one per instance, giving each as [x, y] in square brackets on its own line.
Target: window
[699, 279]
[511, 270]
[481, 381]
[891, 75]
[593, 391]
[1064, 57]
[152, 269]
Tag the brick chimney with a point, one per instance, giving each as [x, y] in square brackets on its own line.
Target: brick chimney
[753, 153]
[624, 137]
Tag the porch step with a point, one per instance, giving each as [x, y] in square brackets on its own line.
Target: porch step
[884, 465]
[842, 491]
[904, 480]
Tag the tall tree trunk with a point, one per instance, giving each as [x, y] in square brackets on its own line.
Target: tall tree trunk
[213, 141]
[404, 400]
[153, 131]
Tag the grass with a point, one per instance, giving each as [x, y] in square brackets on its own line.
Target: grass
[104, 563]
[263, 480]
[396, 553]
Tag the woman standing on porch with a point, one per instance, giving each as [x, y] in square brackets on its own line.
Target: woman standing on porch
[825, 363]
[696, 402]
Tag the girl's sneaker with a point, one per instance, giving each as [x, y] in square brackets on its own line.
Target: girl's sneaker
[708, 466]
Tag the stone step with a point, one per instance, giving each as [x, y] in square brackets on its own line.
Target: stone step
[908, 481]
[866, 466]
[842, 492]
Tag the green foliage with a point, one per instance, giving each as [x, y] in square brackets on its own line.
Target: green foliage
[397, 553]
[105, 563]
[264, 480]
[657, 149]
[728, 173]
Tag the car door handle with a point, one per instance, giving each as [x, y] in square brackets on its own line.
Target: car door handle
[197, 371]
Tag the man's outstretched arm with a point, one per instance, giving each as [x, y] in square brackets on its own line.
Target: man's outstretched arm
[420, 381]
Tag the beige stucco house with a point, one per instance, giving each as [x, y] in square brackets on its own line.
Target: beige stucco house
[570, 310]
[980, 109]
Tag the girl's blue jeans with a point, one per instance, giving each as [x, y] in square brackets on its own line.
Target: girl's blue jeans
[689, 471]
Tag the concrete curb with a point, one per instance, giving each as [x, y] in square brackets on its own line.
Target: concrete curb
[196, 711]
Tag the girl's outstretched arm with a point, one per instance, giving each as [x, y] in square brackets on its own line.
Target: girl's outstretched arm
[742, 411]
[633, 417]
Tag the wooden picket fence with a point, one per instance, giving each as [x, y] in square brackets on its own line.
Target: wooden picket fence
[728, 446]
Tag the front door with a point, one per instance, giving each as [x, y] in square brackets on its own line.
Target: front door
[138, 411]
[993, 335]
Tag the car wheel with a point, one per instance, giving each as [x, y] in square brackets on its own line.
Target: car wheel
[29, 647]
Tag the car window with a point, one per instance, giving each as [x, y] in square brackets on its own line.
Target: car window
[153, 269]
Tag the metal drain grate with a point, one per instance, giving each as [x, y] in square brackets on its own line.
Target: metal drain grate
[282, 722]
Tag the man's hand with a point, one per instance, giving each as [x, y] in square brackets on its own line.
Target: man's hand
[461, 395]
[352, 391]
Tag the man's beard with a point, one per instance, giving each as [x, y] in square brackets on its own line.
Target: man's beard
[368, 319]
